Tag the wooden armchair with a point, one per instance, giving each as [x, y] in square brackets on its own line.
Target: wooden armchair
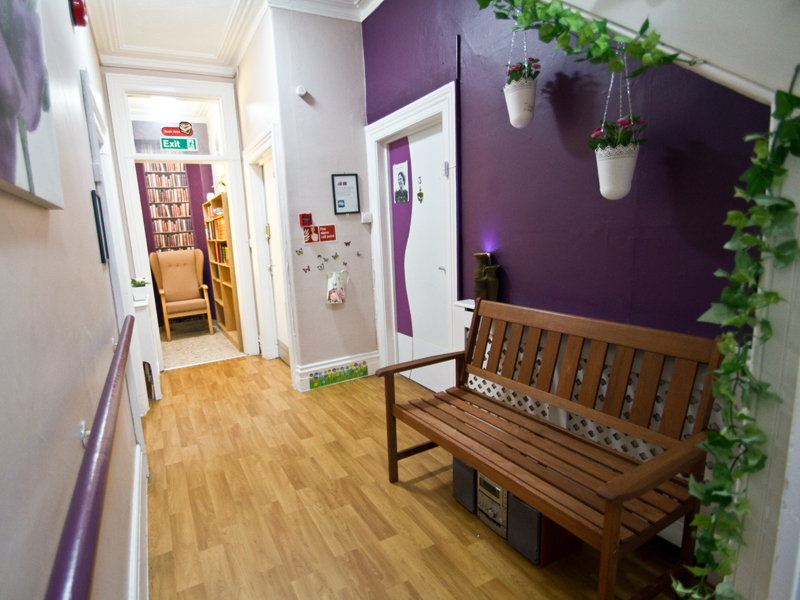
[179, 277]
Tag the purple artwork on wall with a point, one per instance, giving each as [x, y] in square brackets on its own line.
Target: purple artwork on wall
[401, 226]
[531, 196]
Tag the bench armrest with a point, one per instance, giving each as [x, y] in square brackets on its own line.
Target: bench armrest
[654, 472]
[416, 364]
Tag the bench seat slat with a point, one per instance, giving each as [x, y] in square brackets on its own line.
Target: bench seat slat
[568, 458]
[498, 336]
[549, 359]
[513, 436]
[483, 340]
[592, 505]
[530, 489]
[618, 381]
[607, 457]
[678, 396]
[512, 350]
[569, 367]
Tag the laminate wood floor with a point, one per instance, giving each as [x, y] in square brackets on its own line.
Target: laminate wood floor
[259, 491]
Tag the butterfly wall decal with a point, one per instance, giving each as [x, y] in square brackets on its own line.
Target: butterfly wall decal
[319, 255]
[358, 253]
[322, 266]
[298, 252]
[325, 259]
[307, 269]
[344, 263]
[335, 256]
[347, 243]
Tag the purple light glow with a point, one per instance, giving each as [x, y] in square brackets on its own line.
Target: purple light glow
[489, 241]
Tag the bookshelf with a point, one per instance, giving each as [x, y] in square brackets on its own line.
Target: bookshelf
[220, 257]
[170, 211]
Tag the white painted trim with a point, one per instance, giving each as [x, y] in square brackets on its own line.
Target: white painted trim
[119, 87]
[438, 106]
[357, 11]
[253, 160]
[138, 551]
[172, 66]
[303, 372]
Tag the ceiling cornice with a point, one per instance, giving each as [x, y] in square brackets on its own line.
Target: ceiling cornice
[224, 52]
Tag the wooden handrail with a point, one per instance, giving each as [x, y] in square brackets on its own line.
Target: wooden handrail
[71, 577]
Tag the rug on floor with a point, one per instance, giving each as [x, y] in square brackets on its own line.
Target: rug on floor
[192, 345]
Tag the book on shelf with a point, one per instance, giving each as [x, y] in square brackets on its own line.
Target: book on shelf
[164, 167]
[157, 180]
[155, 195]
[174, 240]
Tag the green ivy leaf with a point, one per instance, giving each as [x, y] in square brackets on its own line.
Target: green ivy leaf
[547, 33]
[564, 40]
[757, 178]
[500, 15]
[484, 4]
[785, 103]
[718, 313]
[576, 22]
[785, 254]
[736, 218]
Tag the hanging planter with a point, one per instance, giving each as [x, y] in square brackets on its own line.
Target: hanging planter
[615, 168]
[520, 87]
[520, 101]
[616, 147]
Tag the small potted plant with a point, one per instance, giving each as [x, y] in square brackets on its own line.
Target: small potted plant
[520, 91]
[139, 287]
[616, 148]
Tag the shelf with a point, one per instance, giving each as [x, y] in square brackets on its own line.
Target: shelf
[182, 217]
[166, 187]
[226, 284]
[218, 301]
[166, 172]
[217, 241]
[214, 218]
[177, 202]
[172, 247]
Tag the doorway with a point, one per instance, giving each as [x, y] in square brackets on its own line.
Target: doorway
[418, 250]
[180, 169]
[267, 214]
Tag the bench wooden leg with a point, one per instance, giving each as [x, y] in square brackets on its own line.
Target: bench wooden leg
[688, 542]
[609, 552]
[391, 429]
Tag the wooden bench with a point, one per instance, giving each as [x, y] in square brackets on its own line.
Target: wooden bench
[609, 499]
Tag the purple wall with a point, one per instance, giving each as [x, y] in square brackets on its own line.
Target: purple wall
[199, 178]
[401, 226]
[531, 196]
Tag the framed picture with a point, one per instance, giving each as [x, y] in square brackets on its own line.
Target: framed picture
[345, 194]
[28, 153]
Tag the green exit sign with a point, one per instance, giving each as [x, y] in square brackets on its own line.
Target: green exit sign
[179, 144]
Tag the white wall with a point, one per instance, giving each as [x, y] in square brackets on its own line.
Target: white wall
[772, 532]
[56, 326]
[757, 40]
[322, 134]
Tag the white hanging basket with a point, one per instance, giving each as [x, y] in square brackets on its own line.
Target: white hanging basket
[520, 101]
[615, 168]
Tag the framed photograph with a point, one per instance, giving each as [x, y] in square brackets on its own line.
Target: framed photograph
[345, 194]
[28, 153]
[400, 182]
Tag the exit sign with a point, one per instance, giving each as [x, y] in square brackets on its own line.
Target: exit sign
[184, 144]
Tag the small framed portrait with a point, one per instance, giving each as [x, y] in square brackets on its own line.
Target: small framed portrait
[345, 194]
[400, 182]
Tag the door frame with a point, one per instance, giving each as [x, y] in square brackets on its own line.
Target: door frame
[253, 158]
[437, 107]
[122, 85]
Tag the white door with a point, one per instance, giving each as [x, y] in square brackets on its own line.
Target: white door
[421, 248]
[277, 260]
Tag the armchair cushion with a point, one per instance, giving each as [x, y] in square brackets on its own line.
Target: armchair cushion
[180, 306]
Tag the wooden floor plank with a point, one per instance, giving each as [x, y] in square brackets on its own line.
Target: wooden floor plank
[259, 491]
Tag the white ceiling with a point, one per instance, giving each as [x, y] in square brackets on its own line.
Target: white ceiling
[194, 36]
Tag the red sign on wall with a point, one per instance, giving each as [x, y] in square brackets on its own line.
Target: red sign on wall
[313, 234]
[185, 128]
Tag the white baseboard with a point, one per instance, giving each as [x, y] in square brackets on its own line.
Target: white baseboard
[138, 588]
[304, 373]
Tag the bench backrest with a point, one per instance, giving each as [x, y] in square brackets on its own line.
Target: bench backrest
[532, 351]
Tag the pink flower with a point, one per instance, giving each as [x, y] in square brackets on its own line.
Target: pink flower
[536, 66]
[624, 122]
[597, 132]
[639, 122]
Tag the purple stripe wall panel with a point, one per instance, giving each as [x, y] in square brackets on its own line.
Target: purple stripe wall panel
[401, 226]
[531, 196]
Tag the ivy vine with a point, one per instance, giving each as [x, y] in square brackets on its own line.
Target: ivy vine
[763, 232]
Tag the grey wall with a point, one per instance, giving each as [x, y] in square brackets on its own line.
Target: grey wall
[56, 326]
